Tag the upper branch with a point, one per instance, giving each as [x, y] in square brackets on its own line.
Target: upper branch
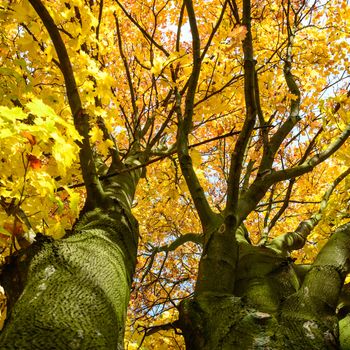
[237, 156]
[179, 241]
[185, 125]
[259, 187]
[309, 164]
[292, 181]
[215, 29]
[142, 30]
[127, 70]
[296, 240]
[65, 64]
[193, 80]
[293, 118]
[81, 121]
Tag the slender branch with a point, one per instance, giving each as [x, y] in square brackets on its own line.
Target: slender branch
[41, 45]
[155, 329]
[297, 239]
[268, 212]
[179, 241]
[234, 10]
[290, 201]
[309, 164]
[193, 80]
[142, 30]
[127, 70]
[264, 132]
[259, 187]
[292, 181]
[218, 91]
[188, 237]
[100, 12]
[178, 34]
[90, 176]
[65, 64]
[160, 132]
[293, 119]
[251, 111]
[113, 151]
[284, 205]
[157, 159]
[215, 29]
[185, 125]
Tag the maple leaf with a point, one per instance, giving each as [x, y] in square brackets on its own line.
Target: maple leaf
[31, 138]
[34, 162]
[158, 115]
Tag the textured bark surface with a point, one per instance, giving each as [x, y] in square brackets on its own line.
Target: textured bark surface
[212, 322]
[274, 306]
[77, 289]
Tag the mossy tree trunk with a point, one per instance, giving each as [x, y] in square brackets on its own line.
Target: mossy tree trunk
[73, 293]
[256, 297]
[274, 304]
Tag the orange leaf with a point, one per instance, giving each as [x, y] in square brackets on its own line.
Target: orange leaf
[34, 162]
[31, 138]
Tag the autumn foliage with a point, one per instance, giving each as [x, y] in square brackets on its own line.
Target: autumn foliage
[136, 64]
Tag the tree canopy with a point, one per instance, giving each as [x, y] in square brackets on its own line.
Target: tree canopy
[236, 113]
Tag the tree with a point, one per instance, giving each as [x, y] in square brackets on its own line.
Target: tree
[211, 125]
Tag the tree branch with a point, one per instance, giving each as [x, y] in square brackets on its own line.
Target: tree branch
[215, 29]
[317, 298]
[178, 33]
[284, 205]
[157, 159]
[127, 71]
[185, 125]
[260, 185]
[248, 127]
[309, 164]
[142, 30]
[284, 130]
[297, 239]
[322, 285]
[188, 237]
[91, 180]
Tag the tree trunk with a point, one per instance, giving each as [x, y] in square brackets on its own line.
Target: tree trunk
[76, 290]
[273, 306]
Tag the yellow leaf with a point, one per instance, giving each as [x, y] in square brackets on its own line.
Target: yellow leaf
[96, 134]
[196, 158]
[64, 153]
[74, 200]
[158, 64]
[11, 114]
[40, 109]
[109, 143]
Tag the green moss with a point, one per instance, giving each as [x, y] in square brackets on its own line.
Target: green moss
[77, 291]
[227, 323]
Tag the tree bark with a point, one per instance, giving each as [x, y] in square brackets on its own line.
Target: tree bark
[76, 289]
[272, 305]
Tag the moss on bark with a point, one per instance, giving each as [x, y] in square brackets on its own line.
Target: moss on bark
[77, 289]
[272, 306]
[213, 322]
